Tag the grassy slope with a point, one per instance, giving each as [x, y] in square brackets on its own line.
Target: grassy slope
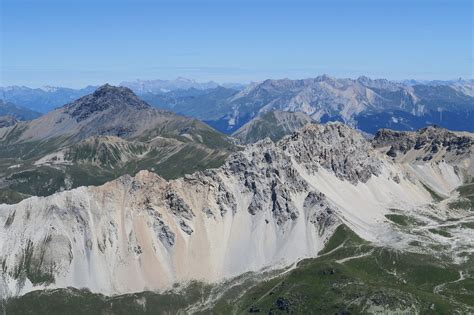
[467, 191]
[46, 180]
[95, 163]
[265, 126]
[383, 279]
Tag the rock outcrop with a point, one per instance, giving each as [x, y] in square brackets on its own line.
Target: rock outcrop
[267, 206]
[430, 144]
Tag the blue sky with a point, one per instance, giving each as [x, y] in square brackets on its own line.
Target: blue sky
[77, 43]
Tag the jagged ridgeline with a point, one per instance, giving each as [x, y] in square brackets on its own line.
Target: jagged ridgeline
[379, 229]
[99, 137]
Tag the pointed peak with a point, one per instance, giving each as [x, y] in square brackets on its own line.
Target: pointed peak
[105, 86]
[105, 97]
[111, 89]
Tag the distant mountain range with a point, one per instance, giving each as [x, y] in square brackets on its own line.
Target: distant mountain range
[363, 103]
[163, 86]
[206, 105]
[43, 99]
[48, 98]
[17, 112]
[99, 137]
[465, 86]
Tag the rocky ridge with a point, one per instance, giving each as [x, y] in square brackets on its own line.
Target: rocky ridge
[428, 144]
[267, 206]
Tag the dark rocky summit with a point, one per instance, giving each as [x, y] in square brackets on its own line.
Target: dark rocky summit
[104, 97]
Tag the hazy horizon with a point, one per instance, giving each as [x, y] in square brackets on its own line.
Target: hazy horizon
[78, 43]
[118, 82]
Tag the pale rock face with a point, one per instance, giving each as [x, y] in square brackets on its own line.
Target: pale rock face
[268, 206]
[356, 102]
[319, 96]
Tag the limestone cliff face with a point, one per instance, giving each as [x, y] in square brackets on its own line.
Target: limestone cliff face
[268, 206]
[427, 146]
